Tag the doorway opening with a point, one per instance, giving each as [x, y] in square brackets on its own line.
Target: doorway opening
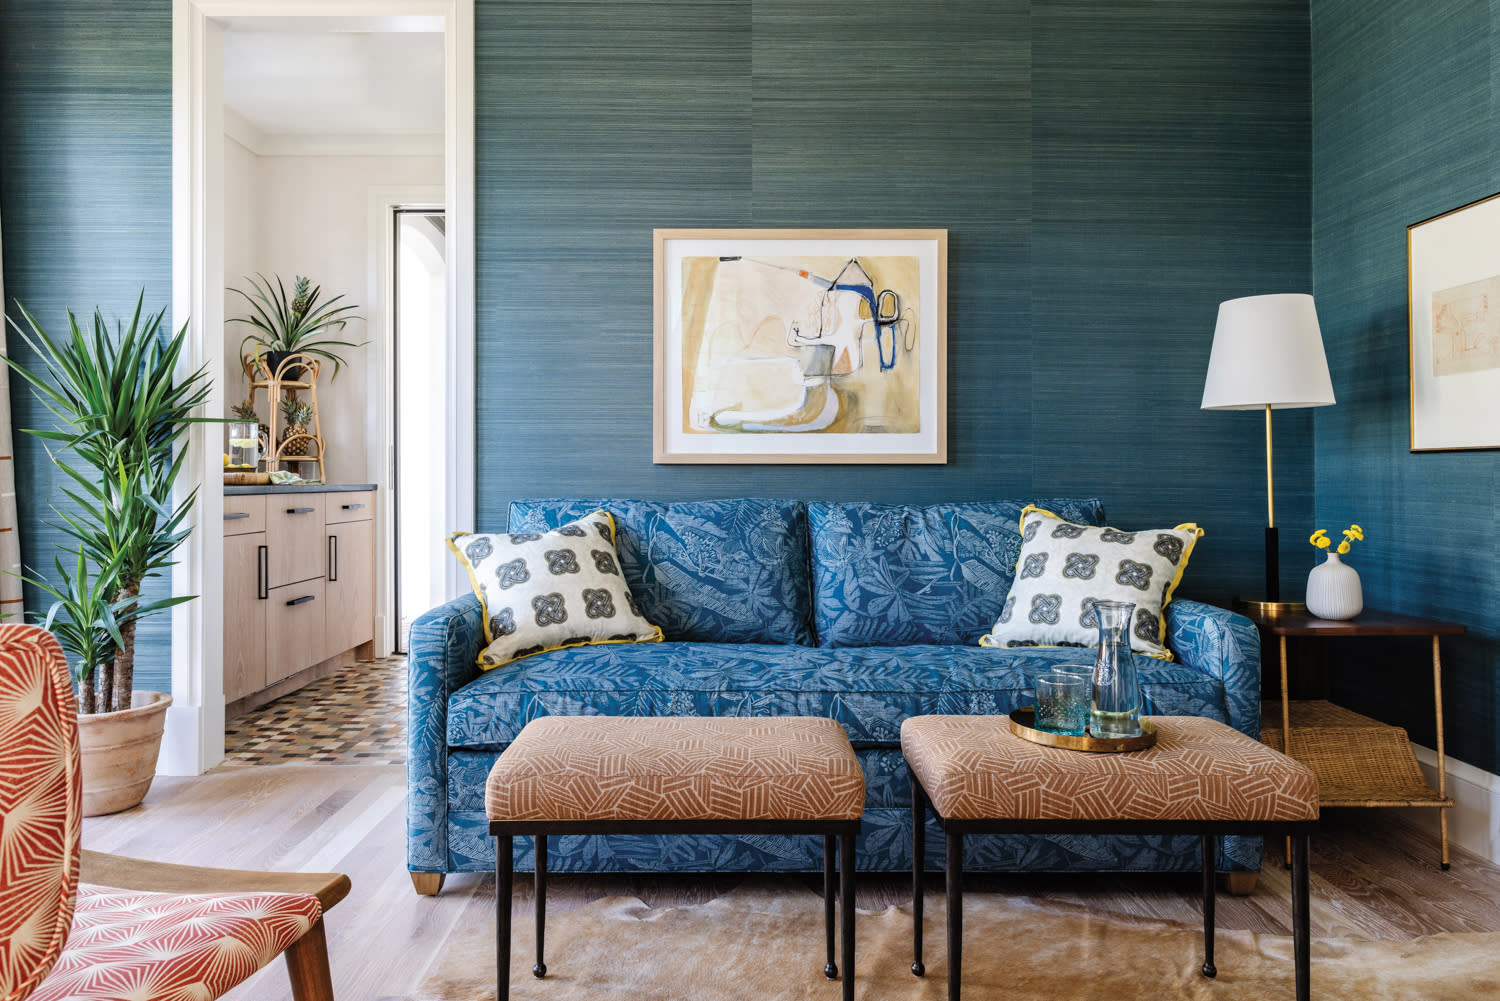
[283, 117]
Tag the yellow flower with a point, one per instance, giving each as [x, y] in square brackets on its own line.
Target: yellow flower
[1316, 537]
[1323, 543]
[1343, 547]
[1354, 532]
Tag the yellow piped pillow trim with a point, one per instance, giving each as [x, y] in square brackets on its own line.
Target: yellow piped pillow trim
[1161, 616]
[484, 610]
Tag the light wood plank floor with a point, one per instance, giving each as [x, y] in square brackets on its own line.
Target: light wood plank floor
[1373, 876]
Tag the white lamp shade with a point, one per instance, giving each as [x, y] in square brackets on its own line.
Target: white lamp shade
[1268, 349]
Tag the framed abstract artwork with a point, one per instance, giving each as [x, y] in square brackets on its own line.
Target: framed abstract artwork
[801, 346]
[1453, 295]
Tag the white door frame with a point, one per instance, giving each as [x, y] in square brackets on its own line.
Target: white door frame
[195, 724]
[380, 429]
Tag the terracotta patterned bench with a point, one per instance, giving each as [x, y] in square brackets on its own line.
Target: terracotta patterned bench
[1201, 778]
[676, 775]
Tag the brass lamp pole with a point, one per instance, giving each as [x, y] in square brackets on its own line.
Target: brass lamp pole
[1268, 354]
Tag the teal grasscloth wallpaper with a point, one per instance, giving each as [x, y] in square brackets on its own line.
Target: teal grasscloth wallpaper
[1406, 125]
[86, 202]
[1107, 174]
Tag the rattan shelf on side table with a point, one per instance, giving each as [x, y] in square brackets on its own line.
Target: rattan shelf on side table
[1359, 761]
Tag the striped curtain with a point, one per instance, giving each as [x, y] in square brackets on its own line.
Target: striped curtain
[11, 609]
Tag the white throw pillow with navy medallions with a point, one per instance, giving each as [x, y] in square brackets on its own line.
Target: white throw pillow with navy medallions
[543, 591]
[1064, 568]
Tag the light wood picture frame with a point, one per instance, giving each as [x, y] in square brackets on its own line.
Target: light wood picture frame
[1453, 304]
[800, 346]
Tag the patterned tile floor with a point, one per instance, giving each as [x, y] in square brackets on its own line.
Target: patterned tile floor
[357, 716]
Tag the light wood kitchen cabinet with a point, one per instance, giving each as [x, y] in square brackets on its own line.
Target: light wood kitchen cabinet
[299, 590]
[358, 506]
[244, 614]
[295, 625]
[351, 585]
[294, 523]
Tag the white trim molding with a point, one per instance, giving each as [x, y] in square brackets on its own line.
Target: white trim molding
[1474, 820]
[262, 143]
[194, 739]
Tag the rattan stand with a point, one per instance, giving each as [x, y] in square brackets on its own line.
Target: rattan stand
[277, 386]
[1359, 761]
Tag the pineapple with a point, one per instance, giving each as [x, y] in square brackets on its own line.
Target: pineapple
[297, 415]
[301, 297]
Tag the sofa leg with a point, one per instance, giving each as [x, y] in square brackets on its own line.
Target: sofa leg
[307, 965]
[1241, 884]
[428, 884]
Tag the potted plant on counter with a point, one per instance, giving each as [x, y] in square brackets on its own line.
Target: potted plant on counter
[123, 413]
[297, 324]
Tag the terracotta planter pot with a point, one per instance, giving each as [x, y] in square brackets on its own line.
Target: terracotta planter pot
[119, 753]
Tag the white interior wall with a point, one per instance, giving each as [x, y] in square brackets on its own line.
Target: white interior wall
[308, 216]
[241, 252]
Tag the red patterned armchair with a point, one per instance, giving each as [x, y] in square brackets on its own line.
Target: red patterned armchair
[82, 926]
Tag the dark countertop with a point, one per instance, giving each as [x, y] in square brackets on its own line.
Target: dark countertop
[298, 488]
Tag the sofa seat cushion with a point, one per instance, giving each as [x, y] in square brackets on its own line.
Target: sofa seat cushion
[870, 690]
[720, 571]
[892, 574]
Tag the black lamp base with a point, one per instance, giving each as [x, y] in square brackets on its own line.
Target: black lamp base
[1271, 604]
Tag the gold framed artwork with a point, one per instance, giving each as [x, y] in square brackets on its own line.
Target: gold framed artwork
[1453, 299]
[801, 346]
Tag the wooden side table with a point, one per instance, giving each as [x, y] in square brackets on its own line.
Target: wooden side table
[1359, 761]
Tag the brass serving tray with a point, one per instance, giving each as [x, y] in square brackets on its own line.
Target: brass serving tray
[1022, 724]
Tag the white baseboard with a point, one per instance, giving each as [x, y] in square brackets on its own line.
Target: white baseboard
[1474, 820]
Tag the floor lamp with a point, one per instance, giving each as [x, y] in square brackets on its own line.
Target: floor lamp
[1268, 354]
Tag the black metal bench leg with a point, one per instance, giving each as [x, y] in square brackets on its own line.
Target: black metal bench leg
[503, 893]
[540, 969]
[831, 969]
[918, 862]
[1210, 864]
[955, 890]
[846, 910]
[1300, 933]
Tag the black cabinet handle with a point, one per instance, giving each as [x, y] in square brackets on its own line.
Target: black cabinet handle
[300, 510]
[354, 507]
[302, 600]
[333, 558]
[262, 572]
[231, 516]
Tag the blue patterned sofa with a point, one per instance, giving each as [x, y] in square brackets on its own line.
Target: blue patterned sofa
[866, 613]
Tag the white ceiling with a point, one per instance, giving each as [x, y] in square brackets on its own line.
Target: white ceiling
[334, 83]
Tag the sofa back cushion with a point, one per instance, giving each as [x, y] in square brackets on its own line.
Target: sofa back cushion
[721, 571]
[902, 574]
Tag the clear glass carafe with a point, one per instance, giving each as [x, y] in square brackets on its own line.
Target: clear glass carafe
[244, 445]
[1116, 709]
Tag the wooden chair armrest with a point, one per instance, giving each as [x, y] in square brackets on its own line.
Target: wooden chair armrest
[124, 873]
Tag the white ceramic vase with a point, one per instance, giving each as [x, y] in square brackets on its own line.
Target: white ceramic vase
[1333, 590]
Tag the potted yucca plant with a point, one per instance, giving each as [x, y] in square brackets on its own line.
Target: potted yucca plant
[293, 324]
[123, 412]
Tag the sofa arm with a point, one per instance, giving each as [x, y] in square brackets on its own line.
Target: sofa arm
[444, 647]
[1223, 645]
